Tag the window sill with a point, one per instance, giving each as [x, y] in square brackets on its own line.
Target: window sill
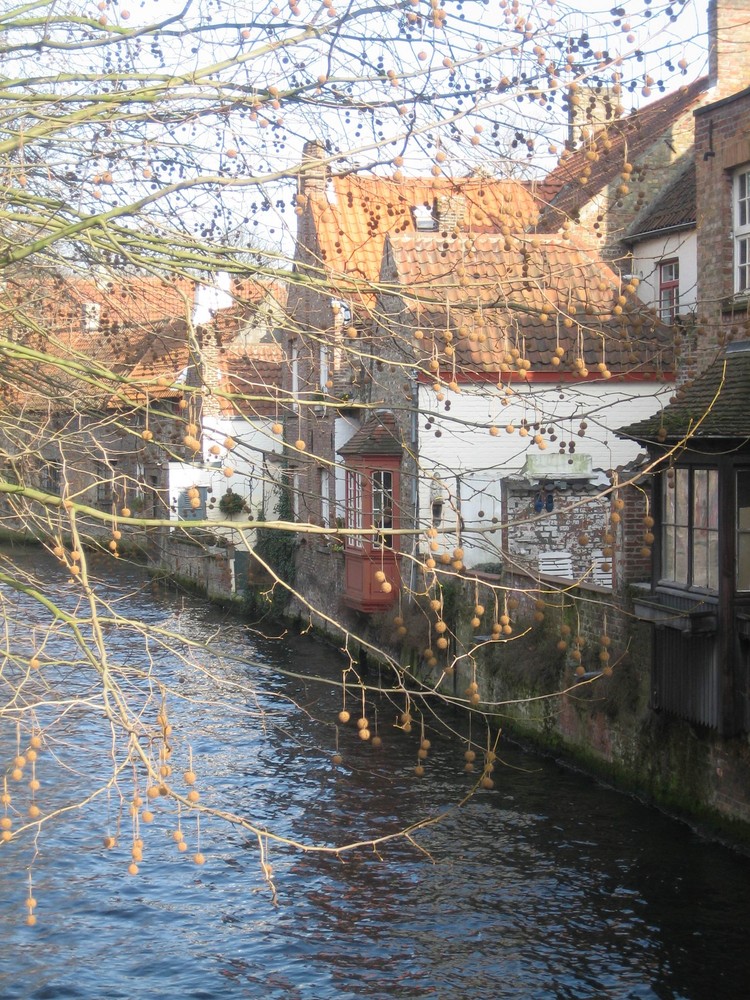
[660, 613]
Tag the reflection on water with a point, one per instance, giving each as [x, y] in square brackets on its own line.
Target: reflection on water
[549, 886]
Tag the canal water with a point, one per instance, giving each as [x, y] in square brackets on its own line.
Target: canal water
[546, 886]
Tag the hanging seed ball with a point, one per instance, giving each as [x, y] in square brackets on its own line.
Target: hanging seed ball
[125, 513]
[36, 741]
[419, 771]
[580, 671]
[562, 645]
[565, 629]
[300, 445]
[479, 610]
[189, 777]
[16, 774]
[441, 642]
[386, 587]
[163, 790]
[344, 716]
[604, 656]
[6, 823]
[152, 792]
[475, 622]
[648, 521]
[470, 755]
[364, 734]
[379, 576]
[34, 811]
[376, 742]
[177, 835]
[427, 653]
[30, 920]
[193, 796]
[422, 754]
[486, 781]
[337, 759]
[110, 842]
[132, 868]
[363, 723]
[607, 671]
[229, 443]
[147, 816]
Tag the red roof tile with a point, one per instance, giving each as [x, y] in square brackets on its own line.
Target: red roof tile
[353, 219]
[531, 296]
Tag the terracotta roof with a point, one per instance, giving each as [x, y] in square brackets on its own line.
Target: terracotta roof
[354, 217]
[633, 134]
[714, 405]
[673, 209]
[253, 378]
[378, 435]
[531, 295]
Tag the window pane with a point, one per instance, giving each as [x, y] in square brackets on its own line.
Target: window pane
[700, 558]
[668, 550]
[681, 494]
[681, 556]
[743, 529]
[382, 504]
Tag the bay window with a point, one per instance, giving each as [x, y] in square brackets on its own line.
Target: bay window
[690, 528]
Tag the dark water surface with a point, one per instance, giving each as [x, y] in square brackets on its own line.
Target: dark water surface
[548, 886]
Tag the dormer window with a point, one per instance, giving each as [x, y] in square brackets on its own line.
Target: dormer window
[425, 218]
[90, 314]
[742, 231]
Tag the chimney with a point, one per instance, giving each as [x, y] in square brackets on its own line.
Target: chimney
[728, 47]
[313, 174]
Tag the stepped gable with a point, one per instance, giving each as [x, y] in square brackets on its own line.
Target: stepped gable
[712, 406]
[674, 209]
[494, 295]
[628, 138]
[378, 435]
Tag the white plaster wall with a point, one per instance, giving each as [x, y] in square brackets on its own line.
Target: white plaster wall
[469, 463]
[254, 460]
[645, 266]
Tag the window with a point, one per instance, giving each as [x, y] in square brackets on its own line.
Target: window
[382, 507]
[425, 218]
[743, 529]
[191, 504]
[353, 509]
[324, 368]
[104, 484]
[690, 528]
[324, 487]
[669, 290]
[294, 369]
[742, 231]
[49, 479]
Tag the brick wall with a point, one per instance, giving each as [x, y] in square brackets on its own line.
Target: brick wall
[721, 145]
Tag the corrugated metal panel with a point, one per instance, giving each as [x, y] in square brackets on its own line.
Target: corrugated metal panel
[686, 677]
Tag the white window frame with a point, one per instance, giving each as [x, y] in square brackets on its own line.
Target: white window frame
[741, 211]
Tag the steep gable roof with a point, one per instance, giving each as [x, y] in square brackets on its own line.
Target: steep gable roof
[489, 303]
[379, 435]
[625, 138]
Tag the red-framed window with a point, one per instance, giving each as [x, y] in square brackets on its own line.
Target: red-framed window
[669, 289]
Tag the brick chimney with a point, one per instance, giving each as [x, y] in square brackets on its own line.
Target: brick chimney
[313, 175]
[728, 47]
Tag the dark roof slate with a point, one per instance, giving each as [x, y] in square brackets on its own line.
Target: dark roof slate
[378, 435]
[673, 209]
[635, 133]
[714, 405]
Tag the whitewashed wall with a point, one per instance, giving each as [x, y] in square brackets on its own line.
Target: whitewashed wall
[645, 266]
[460, 458]
[255, 461]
